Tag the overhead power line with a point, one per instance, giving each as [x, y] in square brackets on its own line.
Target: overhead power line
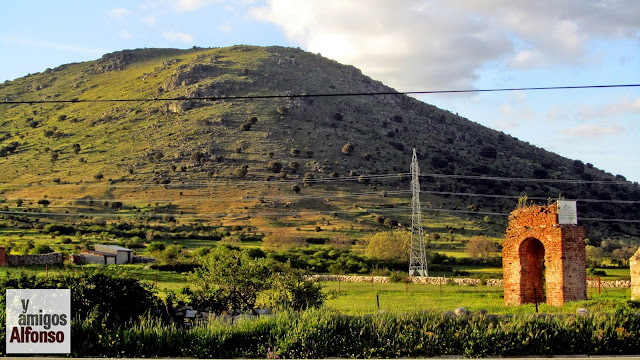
[258, 97]
[322, 180]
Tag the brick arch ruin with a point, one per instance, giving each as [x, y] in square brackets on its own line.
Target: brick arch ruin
[543, 259]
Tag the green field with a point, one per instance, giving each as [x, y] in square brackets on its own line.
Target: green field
[362, 298]
[368, 298]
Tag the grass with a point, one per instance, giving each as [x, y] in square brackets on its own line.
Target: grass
[368, 298]
[362, 298]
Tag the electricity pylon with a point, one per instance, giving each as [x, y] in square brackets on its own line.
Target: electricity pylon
[418, 252]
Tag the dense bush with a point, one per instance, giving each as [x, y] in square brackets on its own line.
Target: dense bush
[324, 334]
[116, 298]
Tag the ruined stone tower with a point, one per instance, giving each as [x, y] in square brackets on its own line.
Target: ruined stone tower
[542, 259]
[634, 264]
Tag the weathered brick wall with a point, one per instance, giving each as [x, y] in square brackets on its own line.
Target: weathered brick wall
[634, 263]
[44, 259]
[534, 243]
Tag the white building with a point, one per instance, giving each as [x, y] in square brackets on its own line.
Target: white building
[107, 255]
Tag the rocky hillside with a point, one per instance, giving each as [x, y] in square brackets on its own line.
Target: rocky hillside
[107, 149]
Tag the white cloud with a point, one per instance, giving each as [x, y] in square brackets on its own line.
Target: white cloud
[53, 45]
[226, 28]
[118, 13]
[415, 44]
[177, 36]
[192, 5]
[505, 124]
[125, 34]
[593, 130]
[556, 113]
[624, 106]
[149, 20]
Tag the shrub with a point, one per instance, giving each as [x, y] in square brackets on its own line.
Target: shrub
[197, 156]
[282, 241]
[390, 223]
[282, 110]
[245, 127]
[155, 246]
[308, 178]
[274, 166]
[294, 152]
[242, 171]
[294, 166]
[41, 249]
[295, 188]
[348, 149]
[397, 276]
[489, 152]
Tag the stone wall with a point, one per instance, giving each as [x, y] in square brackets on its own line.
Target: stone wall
[44, 259]
[634, 263]
[456, 280]
[412, 279]
[537, 246]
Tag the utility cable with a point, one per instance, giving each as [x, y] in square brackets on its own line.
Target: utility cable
[255, 97]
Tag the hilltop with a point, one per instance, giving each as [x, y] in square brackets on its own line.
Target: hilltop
[257, 161]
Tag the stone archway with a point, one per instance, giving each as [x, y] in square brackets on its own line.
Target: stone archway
[539, 253]
[532, 276]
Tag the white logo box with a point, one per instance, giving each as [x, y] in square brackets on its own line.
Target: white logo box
[38, 321]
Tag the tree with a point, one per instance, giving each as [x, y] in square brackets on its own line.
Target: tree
[44, 202]
[282, 241]
[595, 256]
[389, 245]
[76, 148]
[479, 247]
[234, 276]
[289, 290]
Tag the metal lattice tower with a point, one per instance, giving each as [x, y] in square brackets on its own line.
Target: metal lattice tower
[418, 252]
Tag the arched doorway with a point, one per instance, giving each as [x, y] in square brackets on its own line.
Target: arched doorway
[532, 276]
[539, 253]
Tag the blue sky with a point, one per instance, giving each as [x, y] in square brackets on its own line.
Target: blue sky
[411, 45]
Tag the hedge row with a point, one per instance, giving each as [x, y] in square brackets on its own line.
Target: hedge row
[322, 334]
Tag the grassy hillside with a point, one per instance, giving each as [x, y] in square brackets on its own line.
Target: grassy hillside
[241, 161]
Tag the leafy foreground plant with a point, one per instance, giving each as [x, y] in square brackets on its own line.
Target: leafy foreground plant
[322, 333]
